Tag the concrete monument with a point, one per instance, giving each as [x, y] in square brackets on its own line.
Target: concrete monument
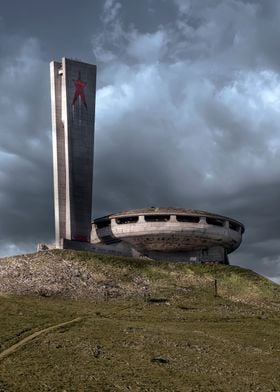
[175, 234]
[73, 86]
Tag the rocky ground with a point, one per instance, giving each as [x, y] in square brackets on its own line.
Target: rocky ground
[51, 273]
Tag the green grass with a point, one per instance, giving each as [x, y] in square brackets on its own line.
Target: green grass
[229, 342]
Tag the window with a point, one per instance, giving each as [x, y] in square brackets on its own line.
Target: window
[234, 226]
[127, 219]
[103, 223]
[188, 218]
[215, 222]
[157, 218]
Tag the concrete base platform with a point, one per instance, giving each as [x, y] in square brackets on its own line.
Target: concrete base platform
[119, 249]
[215, 255]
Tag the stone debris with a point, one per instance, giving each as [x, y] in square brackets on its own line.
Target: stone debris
[160, 360]
[45, 274]
[97, 352]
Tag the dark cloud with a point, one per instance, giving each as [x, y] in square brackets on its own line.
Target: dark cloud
[187, 112]
[25, 153]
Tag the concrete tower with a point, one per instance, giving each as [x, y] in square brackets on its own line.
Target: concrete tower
[73, 86]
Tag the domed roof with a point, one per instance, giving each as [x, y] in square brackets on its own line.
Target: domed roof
[162, 210]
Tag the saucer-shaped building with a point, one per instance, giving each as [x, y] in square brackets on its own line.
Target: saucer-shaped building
[176, 234]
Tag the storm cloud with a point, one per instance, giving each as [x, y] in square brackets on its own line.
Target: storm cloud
[187, 113]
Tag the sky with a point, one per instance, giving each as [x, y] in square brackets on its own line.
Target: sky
[187, 113]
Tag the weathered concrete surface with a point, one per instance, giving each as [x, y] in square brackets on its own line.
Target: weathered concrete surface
[73, 86]
[118, 249]
[58, 139]
[174, 234]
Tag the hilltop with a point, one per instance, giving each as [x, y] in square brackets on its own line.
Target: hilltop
[78, 274]
[136, 325]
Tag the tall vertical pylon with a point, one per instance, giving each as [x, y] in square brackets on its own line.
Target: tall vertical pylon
[73, 86]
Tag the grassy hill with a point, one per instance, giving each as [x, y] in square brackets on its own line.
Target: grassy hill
[142, 325]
